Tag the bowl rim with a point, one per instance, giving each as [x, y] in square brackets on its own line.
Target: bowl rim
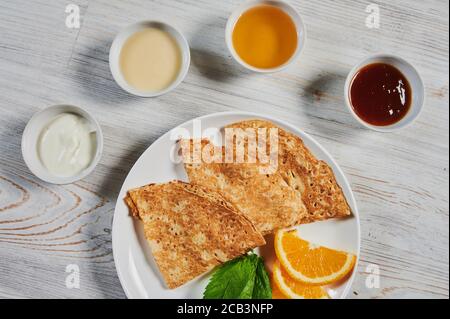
[419, 85]
[47, 176]
[247, 5]
[125, 33]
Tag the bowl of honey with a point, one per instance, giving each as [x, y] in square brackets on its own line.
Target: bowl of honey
[265, 35]
[384, 93]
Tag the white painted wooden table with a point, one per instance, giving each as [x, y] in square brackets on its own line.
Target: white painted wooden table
[401, 180]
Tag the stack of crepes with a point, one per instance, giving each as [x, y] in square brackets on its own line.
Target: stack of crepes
[228, 206]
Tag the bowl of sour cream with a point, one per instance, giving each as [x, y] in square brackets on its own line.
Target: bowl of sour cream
[62, 144]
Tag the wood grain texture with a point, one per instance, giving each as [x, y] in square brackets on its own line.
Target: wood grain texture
[401, 180]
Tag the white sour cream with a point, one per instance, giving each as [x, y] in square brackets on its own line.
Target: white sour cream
[66, 145]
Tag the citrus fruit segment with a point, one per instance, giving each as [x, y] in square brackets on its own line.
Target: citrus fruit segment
[276, 292]
[309, 263]
[290, 288]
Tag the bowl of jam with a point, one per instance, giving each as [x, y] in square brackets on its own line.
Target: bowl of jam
[384, 93]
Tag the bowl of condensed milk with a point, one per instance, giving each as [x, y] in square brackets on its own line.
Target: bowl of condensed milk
[149, 58]
[62, 144]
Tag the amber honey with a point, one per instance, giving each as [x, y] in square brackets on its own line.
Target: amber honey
[265, 37]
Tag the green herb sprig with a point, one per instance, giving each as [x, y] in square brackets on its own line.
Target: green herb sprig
[244, 277]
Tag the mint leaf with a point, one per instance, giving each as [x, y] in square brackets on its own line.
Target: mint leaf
[241, 278]
[262, 288]
[234, 279]
[247, 290]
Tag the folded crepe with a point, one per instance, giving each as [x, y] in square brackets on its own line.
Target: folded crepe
[301, 188]
[190, 229]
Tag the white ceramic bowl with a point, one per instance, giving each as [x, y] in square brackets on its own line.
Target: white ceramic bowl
[121, 38]
[32, 133]
[287, 8]
[414, 79]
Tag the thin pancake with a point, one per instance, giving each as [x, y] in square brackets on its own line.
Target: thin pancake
[266, 199]
[313, 178]
[301, 190]
[190, 229]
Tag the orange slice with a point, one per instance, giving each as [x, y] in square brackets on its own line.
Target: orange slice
[293, 289]
[309, 263]
[276, 292]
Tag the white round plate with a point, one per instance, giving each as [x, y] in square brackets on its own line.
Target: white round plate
[135, 266]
